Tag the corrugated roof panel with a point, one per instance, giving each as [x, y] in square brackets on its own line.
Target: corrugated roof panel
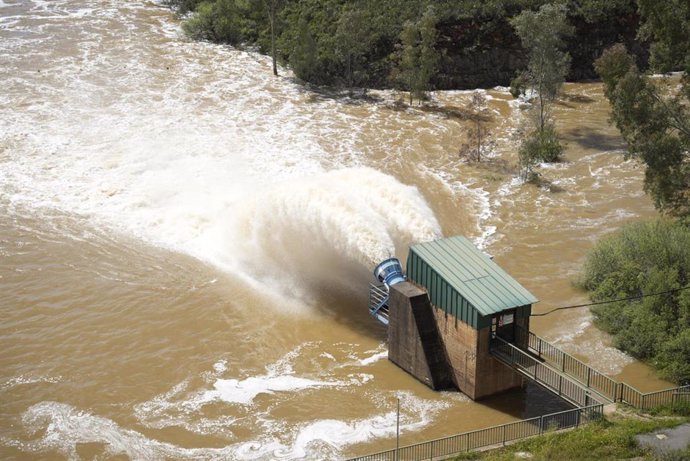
[472, 274]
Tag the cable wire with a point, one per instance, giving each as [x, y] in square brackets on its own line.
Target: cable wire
[611, 301]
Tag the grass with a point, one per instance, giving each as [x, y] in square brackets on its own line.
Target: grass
[609, 439]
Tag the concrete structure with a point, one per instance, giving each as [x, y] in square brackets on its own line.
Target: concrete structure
[441, 321]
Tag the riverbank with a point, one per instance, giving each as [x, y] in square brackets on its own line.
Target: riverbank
[614, 437]
[331, 43]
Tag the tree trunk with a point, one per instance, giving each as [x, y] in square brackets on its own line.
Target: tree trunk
[272, 15]
[479, 141]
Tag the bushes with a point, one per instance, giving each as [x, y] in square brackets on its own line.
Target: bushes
[477, 45]
[539, 146]
[645, 258]
[219, 21]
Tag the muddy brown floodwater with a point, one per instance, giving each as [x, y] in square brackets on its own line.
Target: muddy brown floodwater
[185, 243]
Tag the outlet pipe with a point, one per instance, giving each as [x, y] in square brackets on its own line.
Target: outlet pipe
[389, 272]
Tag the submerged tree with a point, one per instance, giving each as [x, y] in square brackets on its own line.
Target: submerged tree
[478, 135]
[418, 58]
[653, 114]
[542, 35]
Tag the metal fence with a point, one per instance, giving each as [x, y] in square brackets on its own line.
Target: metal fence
[573, 367]
[556, 381]
[608, 387]
[491, 436]
[561, 373]
[649, 400]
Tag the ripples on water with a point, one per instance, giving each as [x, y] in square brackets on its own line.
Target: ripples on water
[185, 242]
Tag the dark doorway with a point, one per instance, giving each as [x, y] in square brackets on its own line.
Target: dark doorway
[505, 325]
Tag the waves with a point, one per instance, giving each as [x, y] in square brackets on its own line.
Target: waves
[317, 228]
[193, 147]
[223, 404]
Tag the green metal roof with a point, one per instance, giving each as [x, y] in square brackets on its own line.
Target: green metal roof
[473, 275]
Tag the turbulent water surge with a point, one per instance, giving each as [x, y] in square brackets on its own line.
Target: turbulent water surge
[185, 243]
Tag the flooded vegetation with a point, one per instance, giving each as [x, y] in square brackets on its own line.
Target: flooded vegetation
[186, 242]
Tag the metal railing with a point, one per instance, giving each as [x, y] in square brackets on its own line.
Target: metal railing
[558, 371]
[491, 436]
[378, 302]
[586, 375]
[556, 381]
[607, 387]
[649, 400]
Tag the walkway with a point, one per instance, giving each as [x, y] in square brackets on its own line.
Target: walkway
[538, 370]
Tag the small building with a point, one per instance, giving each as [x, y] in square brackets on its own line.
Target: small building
[441, 320]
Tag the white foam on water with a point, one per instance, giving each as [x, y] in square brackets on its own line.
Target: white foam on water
[230, 168]
[279, 381]
[321, 438]
[374, 358]
[28, 379]
[599, 355]
[245, 391]
[220, 366]
[481, 202]
[61, 428]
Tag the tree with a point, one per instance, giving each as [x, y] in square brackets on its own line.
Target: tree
[542, 35]
[667, 25]
[417, 56]
[652, 115]
[272, 7]
[538, 146]
[303, 57]
[353, 40]
[217, 21]
[478, 136]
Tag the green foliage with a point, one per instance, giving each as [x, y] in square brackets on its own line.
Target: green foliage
[655, 122]
[417, 56]
[644, 258]
[652, 116]
[539, 146]
[667, 25]
[200, 25]
[478, 47]
[303, 58]
[679, 408]
[310, 30]
[225, 21]
[353, 41]
[542, 34]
